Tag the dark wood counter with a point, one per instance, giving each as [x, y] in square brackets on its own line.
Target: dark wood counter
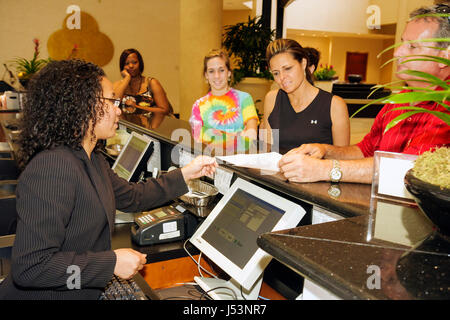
[354, 198]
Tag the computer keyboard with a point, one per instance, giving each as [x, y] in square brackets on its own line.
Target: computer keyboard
[121, 289]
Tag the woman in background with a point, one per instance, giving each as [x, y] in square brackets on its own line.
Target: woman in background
[140, 94]
[301, 112]
[67, 194]
[224, 112]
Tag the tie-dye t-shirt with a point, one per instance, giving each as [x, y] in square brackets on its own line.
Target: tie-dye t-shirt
[228, 113]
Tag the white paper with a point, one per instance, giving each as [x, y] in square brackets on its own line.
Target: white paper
[169, 226]
[263, 161]
[155, 158]
[185, 157]
[392, 173]
[222, 179]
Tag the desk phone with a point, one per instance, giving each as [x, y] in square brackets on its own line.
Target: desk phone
[162, 225]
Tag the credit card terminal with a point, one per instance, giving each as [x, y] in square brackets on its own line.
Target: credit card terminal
[162, 225]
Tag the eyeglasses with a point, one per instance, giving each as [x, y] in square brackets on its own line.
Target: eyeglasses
[444, 10]
[115, 101]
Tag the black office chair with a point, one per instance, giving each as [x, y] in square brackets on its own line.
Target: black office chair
[8, 167]
[8, 213]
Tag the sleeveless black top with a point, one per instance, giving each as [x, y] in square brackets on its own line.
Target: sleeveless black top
[311, 125]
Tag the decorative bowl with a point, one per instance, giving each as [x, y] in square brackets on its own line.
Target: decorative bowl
[433, 200]
[354, 78]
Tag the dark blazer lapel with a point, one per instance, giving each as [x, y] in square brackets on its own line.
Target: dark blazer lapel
[103, 189]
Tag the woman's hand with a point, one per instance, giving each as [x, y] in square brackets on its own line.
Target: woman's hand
[200, 166]
[250, 133]
[315, 150]
[128, 262]
[125, 74]
[130, 105]
[299, 167]
[251, 129]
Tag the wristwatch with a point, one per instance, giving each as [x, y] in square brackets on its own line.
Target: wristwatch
[335, 173]
[334, 191]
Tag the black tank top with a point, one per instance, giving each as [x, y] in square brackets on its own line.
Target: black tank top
[311, 125]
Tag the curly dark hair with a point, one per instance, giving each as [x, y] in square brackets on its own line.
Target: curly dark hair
[61, 100]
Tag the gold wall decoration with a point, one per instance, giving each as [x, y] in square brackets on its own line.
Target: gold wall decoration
[87, 43]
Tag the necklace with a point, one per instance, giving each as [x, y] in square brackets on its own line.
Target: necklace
[135, 92]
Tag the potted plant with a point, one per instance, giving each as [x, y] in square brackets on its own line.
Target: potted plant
[27, 68]
[324, 76]
[428, 180]
[429, 183]
[246, 43]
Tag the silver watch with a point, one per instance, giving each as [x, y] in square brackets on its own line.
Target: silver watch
[335, 173]
[334, 191]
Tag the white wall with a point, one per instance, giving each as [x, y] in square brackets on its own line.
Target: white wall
[327, 15]
[388, 10]
[151, 26]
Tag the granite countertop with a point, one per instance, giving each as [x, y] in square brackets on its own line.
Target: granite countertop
[396, 242]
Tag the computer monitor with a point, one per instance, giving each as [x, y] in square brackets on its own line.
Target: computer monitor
[228, 237]
[132, 160]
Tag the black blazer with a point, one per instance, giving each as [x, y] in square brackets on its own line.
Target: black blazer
[66, 204]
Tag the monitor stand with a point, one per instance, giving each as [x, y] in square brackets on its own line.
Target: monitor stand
[209, 285]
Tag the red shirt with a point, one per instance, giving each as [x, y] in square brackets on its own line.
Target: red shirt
[413, 135]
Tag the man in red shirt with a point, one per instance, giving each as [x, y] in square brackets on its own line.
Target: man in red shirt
[414, 135]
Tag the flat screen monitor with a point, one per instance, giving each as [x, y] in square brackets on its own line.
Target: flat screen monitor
[132, 160]
[228, 237]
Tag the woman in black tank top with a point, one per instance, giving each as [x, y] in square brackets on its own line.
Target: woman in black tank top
[298, 112]
[140, 95]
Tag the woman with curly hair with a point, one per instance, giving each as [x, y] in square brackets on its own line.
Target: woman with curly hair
[67, 194]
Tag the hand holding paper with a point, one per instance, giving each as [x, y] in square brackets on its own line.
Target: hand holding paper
[263, 161]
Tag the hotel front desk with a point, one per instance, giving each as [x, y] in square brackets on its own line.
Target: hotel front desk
[345, 247]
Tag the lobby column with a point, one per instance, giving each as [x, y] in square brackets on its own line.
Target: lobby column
[200, 31]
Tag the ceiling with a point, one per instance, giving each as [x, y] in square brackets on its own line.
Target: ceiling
[236, 4]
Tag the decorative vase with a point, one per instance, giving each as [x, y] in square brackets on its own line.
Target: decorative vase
[326, 85]
[433, 200]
